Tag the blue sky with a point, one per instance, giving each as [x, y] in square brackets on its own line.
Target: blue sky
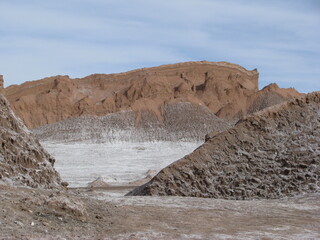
[81, 37]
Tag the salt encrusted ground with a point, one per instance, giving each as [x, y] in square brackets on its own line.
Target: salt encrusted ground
[118, 163]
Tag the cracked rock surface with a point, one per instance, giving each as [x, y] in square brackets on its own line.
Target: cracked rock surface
[270, 154]
[22, 159]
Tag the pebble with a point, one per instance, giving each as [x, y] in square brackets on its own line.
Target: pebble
[19, 223]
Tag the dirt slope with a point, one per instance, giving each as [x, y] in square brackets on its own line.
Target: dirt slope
[22, 159]
[182, 122]
[270, 154]
[215, 85]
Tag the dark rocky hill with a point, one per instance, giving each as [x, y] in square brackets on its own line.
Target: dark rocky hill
[270, 154]
[22, 159]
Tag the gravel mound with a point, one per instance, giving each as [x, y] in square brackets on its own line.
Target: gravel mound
[22, 159]
[270, 154]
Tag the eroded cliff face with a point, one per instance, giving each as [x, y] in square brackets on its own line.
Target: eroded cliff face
[266, 97]
[270, 154]
[22, 159]
[216, 86]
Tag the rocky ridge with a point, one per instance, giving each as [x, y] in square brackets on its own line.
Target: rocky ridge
[182, 122]
[22, 159]
[1, 84]
[270, 154]
[226, 89]
[266, 97]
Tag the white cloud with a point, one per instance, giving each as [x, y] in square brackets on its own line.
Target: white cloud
[79, 36]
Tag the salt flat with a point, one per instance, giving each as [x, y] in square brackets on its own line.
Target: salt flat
[118, 163]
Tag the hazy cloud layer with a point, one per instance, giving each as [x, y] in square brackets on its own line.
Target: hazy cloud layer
[81, 37]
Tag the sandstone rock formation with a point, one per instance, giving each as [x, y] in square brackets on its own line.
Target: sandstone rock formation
[224, 88]
[270, 154]
[22, 159]
[266, 97]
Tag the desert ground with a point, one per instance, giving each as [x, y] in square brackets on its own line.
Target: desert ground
[105, 213]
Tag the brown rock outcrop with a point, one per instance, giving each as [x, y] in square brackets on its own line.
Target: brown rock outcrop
[215, 85]
[266, 97]
[270, 154]
[1, 84]
[22, 159]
